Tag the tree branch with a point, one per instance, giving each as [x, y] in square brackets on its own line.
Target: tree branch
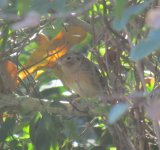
[28, 104]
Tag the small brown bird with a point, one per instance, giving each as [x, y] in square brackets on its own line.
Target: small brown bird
[80, 75]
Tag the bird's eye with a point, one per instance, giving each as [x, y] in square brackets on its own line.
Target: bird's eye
[68, 58]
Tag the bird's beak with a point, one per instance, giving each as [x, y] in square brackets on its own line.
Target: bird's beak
[58, 61]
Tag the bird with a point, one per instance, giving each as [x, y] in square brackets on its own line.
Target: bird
[80, 75]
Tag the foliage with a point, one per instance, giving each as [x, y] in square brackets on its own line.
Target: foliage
[120, 37]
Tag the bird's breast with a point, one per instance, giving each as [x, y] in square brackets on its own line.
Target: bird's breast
[83, 84]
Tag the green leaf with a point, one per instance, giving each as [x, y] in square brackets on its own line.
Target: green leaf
[130, 80]
[5, 35]
[30, 146]
[119, 8]
[117, 111]
[38, 133]
[150, 83]
[113, 148]
[22, 6]
[46, 131]
[55, 28]
[146, 46]
[28, 50]
[120, 23]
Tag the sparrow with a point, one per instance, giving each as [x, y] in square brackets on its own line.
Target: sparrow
[80, 75]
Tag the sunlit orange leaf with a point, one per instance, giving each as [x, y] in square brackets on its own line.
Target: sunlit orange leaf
[38, 73]
[40, 52]
[58, 52]
[70, 36]
[49, 51]
[8, 76]
[46, 62]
